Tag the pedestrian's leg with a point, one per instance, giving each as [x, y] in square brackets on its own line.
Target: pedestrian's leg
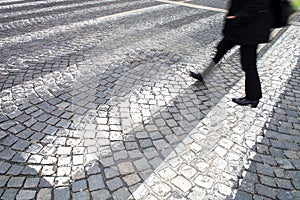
[223, 47]
[252, 82]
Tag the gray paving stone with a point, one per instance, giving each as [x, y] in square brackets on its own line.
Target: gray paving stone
[20, 145]
[145, 143]
[265, 191]
[118, 146]
[142, 134]
[61, 193]
[258, 197]
[135, 154]
[284, 194]
[79, 185]
[25, 134]
[292, 146]
[3, 180]
[3, 118]
[247, 186]
[265, 170]
[131, 179]
[44, 117]
[94, 169]
[26, 194]
[296, 194]
[16, 129]
[120, 155]
[9, 140]
[15, 169]
[156, 136]
[9, 194]
[114, 184]
[3, 134]
[81, 195]
[150, 153]
[5, 126]
[142, 164]
[30, 122]
[121, 193]
[63, 123]
[268, 181]
[37, 136]
[31, 182]
[4, 167]
[101, 194]
[284, 184]
[243, 196]
[107, 162]
[16, 182]
[50, 130]
[21, 157]
[155, 162]
[126, 168]
[95, 182]
[111, 172]
[38, 126]
[285, 163]
[268, 160]
[7, 154]
[53, 120]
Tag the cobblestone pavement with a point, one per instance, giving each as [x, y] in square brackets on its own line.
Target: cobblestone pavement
[96, 103]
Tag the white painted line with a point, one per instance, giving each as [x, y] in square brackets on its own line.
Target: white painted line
[45, 9]
[8, 1]
[194, 6]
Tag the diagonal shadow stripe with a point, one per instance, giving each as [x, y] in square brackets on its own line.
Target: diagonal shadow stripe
[137, 145]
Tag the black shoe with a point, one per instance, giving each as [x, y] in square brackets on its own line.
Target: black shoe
[244, 102]
[207, 71]
[196, 76]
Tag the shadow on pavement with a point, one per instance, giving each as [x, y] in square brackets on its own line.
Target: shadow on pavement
[141, 121]
[273, 171]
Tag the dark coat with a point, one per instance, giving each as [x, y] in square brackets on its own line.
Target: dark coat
[252, 24]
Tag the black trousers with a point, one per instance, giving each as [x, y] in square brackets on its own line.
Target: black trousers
[248, 61]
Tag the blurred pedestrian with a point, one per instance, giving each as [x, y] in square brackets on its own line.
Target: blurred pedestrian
[247, 23]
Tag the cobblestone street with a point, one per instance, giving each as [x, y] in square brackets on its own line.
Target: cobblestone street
[96, 103]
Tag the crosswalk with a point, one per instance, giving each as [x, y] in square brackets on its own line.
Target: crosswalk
[96, 102]
[87, 75]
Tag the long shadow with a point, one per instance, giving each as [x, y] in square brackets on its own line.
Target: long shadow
[121, 146]
[136, 146]
[274, 172]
